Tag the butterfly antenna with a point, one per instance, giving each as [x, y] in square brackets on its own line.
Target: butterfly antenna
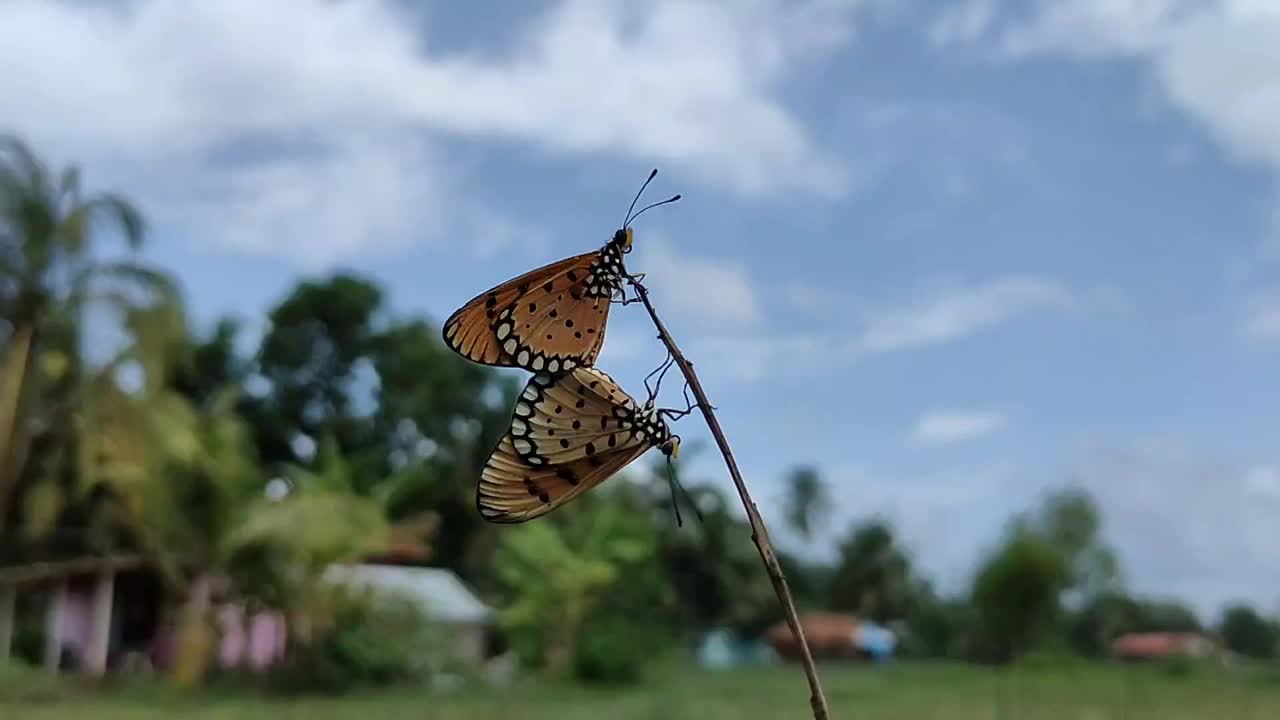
[671, 475]
[627, 221]
[654, 205]
[671, 480]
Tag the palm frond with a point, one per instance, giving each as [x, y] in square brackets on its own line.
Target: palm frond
[107, 207]
[18, 160]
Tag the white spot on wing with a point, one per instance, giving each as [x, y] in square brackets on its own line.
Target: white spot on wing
[510, 345]
[537, 363]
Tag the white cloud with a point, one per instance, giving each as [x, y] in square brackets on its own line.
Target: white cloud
[751, 357]
[353, 196]
[715, 294]
[206, 109]
[953, 312]
[1262, 319]
[952, 426]
[1184, 522]
[963, 22]
[941, 314]
[1263, 480]
[1216, 60]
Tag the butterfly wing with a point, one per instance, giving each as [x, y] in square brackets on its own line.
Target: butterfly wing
[551, 318]
[569, 433]
[582, 413]
[513, 491]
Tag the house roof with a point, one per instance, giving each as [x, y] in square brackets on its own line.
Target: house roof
[55, 569]
[1159, 644]
[442, 595]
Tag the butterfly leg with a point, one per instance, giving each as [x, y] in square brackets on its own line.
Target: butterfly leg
[690, 406]
[624, 299]
[660, 371]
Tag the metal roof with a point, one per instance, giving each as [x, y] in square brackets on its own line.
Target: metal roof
[443, 596]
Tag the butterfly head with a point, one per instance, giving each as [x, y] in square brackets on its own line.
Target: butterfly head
[671, 448]
[622, 239]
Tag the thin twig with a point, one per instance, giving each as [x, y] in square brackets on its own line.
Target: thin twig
[759, 534]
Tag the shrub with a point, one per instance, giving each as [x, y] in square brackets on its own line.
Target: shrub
[612, 652]
[363, 641]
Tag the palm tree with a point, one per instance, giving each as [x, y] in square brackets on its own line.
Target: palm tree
[807, 501]
[48, 276]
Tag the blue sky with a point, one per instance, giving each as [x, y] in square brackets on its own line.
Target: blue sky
[953, 254]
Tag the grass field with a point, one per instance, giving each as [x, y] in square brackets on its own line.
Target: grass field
[905, 692]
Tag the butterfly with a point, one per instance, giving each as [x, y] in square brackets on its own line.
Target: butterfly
[549, 319]
[569, 432]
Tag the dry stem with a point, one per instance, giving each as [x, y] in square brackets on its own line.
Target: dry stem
[759, 534]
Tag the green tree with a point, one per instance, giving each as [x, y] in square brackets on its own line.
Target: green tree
[395, 401]
[1165, 615]
[1246, 632]
[319, 337]
[713, 573]
[873, 576]
[1070, 521]
[1016, 594]
[556, 575]
[1102, 619]
[50, 274]
[807, 501]
[940, 628]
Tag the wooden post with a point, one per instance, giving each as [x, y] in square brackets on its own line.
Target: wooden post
[100, 630]
[8, 601]
[53, 625]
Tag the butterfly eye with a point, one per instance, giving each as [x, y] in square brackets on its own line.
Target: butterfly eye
[672, 447]
[626, 242]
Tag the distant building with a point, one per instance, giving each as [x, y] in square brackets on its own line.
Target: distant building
[722, 649]
[1136, 647]
[833, 636]
[105, 613]
[439, 593]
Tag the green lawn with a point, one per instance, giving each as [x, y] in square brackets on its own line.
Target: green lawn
[897, 693]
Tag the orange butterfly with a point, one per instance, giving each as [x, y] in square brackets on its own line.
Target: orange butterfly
[552, 318]
[569, 433]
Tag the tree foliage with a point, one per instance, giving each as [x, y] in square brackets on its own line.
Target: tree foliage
[1016, 594]
[874, 578]
[1248, 633]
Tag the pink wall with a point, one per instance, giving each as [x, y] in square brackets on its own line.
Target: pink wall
[255, 642]
[252, 643]
[77, 618]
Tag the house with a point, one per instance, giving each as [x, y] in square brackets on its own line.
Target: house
[102, 613]
[1138, 647]
[105, 612]
[439, 593]
[833, 636]
[722, 649]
